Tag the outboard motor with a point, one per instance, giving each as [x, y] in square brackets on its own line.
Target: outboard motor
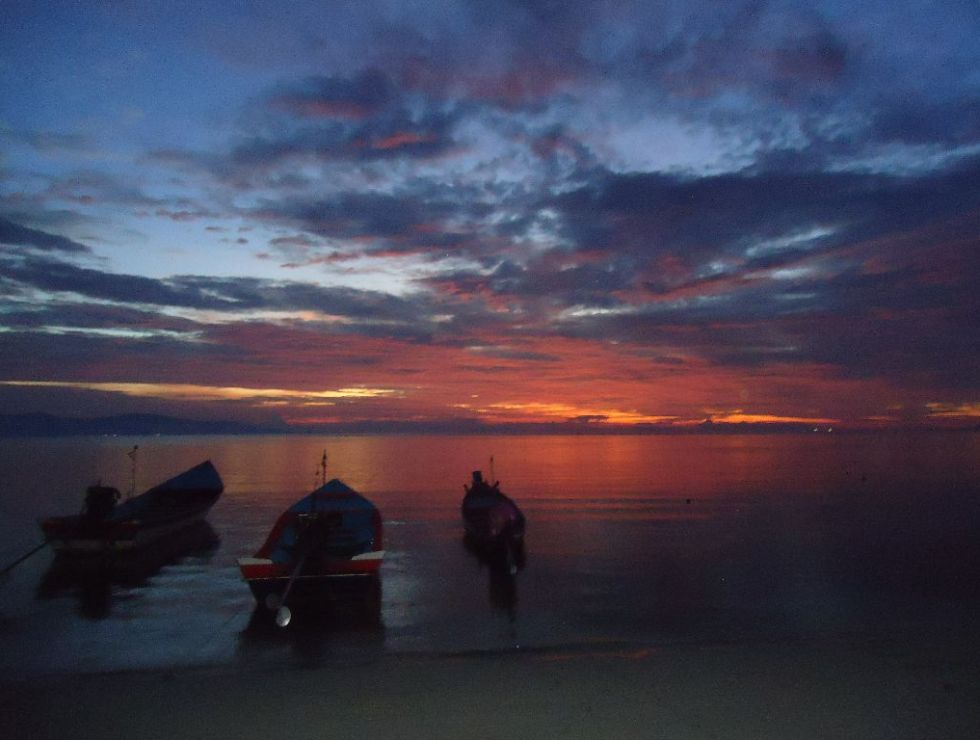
[99, 502]
[478, 485]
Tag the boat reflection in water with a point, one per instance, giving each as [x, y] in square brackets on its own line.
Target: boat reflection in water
[493, 522]
[494, 534]
[341, 619]
[92, 578]
[336, 604]
[503, 561]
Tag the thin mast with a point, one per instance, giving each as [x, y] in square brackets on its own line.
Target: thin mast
[132, 456]
[323, 478]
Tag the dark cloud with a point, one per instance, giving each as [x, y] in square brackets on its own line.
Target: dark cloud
[15, 234]
[701, 264]
[356, 215]
[52, 142]
[819, 57]
[869, 320]
[363, 118]
[51, 275]
[425, 218]
[708, 217]
[89, 187]
[182, 216]
[780, 55]
[357, 97]
[953, 122]
[722, 185]
[391, 138]
[82, 356]
[542, 285]
[514, 353]
[92, 316]
[361, 312]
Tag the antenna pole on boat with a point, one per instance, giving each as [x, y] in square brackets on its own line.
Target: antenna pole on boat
[132, 456]
[321, 474]
[493, 476]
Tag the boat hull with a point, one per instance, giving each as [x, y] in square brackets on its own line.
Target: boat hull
[266, 577]
[488, 521]
[69, 537]
[334, 533]
[140, 522]
[319, 608]
[91, 579]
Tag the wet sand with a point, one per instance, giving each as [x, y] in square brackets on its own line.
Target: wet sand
[825, 689]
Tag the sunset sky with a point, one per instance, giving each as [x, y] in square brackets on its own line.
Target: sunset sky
[466, 211]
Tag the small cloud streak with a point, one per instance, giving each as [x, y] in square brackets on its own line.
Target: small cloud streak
[741, 417]
[954, 410]
[536, 411]
[190, 392]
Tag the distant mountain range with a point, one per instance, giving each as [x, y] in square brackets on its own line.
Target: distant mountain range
[48, 425]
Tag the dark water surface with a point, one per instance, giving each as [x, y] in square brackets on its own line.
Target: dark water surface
[631, 541]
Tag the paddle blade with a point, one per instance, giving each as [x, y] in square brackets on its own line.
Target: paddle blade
[283, 616]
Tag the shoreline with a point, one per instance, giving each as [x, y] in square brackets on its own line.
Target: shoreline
[826, 688]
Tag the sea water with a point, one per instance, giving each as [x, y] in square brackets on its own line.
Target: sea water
[632, 542]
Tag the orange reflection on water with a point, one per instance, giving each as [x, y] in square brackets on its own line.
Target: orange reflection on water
[624, 475]
[431, 469]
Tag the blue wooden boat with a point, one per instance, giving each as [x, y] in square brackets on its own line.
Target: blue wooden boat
[107, 526]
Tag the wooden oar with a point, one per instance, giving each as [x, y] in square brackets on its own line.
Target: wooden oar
[308, 542]
[283, 614]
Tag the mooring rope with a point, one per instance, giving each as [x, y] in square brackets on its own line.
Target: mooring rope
[21, 559]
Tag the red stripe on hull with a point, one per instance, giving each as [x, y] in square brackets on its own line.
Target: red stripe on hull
[339, 567]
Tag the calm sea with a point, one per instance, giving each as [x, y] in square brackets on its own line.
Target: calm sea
[631, 541]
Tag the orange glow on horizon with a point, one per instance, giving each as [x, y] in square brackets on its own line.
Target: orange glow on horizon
[489, 380]
[537, 411]
[740, 417]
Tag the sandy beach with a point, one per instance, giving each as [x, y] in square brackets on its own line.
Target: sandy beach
[826, 689]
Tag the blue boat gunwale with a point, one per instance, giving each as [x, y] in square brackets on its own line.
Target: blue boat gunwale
[185, 497]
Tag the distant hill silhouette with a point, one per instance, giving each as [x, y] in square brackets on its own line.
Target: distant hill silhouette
[573, 426]
[48, 425]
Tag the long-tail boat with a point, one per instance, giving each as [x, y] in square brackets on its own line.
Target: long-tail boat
[333, 532]
[108, 526]
[493, 523]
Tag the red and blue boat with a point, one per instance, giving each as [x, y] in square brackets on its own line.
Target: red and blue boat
[332, 533]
